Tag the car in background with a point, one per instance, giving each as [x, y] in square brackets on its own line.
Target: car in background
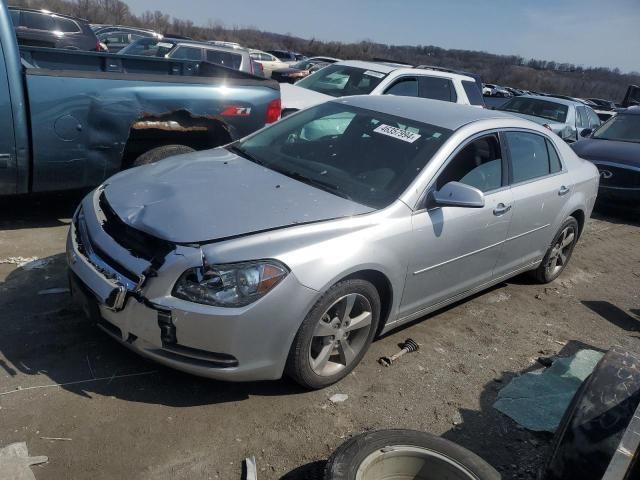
[116, 40]
[348, 220]
[269, 62]
[235, 58]
[491, 90]
[223, 43]
[287, 56]
[354, 77]
[603, 104]
[301, 69]
[516, 92]
[566, 118]
[41, 28]
[614, 149]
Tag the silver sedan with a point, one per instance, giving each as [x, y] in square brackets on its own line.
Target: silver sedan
[290, 250]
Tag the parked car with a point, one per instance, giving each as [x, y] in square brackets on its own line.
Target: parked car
[235, 58]
[301, 69]
[492, 90]
[269, 62]
[347, 78]
[73, 118]
[116, 40]
[41, 28]
[348, 219]
[615, 149]
[287, 56]
[566, 118]
[603, 104]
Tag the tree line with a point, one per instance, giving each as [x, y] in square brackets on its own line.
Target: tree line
[510, 70]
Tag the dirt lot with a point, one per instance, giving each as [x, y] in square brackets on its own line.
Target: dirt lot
[163, 424]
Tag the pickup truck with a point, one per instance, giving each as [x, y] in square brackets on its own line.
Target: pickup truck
[71, 119]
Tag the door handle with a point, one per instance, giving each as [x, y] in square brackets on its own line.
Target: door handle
[563, 190]
[501, 209]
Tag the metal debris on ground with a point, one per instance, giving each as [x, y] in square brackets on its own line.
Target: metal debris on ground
[338, 398]
[408, 346]
[15, 462]
[537, 400]
[19, 261]
[250, 469]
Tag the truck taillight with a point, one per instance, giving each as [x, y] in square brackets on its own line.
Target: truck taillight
[274, 110]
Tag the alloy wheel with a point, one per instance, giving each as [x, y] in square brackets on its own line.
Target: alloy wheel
[561, 251]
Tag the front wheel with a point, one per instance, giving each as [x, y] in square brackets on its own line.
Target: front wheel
[559, 253]
[335, 335]
[160, 153]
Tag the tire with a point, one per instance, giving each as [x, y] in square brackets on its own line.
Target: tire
[425, 457]
[546, 273]
[159, 153]
[593, 425]
[319, 334]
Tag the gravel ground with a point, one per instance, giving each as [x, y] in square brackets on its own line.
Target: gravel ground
[161, 424]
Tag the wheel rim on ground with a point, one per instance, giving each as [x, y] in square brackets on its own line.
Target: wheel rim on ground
[340, 335]
[410, 463]
[560, 251]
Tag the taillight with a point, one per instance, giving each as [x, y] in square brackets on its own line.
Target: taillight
[274, 110]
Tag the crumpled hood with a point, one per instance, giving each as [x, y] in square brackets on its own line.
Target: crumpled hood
[626, 153]
[216, 194]
[297, 98]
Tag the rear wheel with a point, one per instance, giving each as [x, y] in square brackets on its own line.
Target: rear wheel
[559, 253]
[405, 455]
[159, 153]
[335, 335]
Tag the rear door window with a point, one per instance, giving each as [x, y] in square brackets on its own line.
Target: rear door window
[474, 94]
[406, 87]
[37, 21]
[594, 120]
[226, 59]
[581, 118]
[187, 53]
[438, 88]
[529, 156]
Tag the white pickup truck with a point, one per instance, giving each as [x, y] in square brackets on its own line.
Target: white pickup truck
[380, 78]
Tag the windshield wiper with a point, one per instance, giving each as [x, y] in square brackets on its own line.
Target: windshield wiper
[326, 186]
[244, 154]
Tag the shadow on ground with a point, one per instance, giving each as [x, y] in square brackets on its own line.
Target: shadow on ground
[614, 314]
[42, 210]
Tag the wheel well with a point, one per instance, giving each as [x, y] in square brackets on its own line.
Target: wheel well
[580, 217]
[174, 128]
[383, 285]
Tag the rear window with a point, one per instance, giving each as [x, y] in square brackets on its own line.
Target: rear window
[437, 88]
[474, 94]
[549, 110]
[65, 25]
[226, 59]
[341, 80]
[37, 21]
[188, 53]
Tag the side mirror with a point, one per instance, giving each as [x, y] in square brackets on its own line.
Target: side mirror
[456, 194]
[586, 132]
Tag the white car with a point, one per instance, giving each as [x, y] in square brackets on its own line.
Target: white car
[353, 77]
[269, 62]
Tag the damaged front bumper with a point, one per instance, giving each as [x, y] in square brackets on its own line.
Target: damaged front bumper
[128, 294]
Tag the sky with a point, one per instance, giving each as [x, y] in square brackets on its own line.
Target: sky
[584, 32]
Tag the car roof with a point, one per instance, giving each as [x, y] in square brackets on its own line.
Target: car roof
[388, 68]
[561, 101]
[195, 43]
[435, 112]
[47, 12]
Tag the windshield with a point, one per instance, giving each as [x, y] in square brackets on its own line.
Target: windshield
[148, 47]
[622, 128]
[341, 80]
[556, 112]
[362, 155]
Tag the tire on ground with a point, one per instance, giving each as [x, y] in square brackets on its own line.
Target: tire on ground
[159, 153]
[540, 273]
[460, 463]
[298, 365]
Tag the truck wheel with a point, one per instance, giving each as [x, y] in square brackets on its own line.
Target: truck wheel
[593, 425]
[335, 335]
[559, 253]
[159, 153]
[405, 454]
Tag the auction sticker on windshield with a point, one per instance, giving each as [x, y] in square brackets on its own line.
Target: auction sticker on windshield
[398, 133]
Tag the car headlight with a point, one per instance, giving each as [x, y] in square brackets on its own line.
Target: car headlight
[232, 285]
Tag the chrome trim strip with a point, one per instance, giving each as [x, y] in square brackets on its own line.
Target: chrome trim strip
[423, 270]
